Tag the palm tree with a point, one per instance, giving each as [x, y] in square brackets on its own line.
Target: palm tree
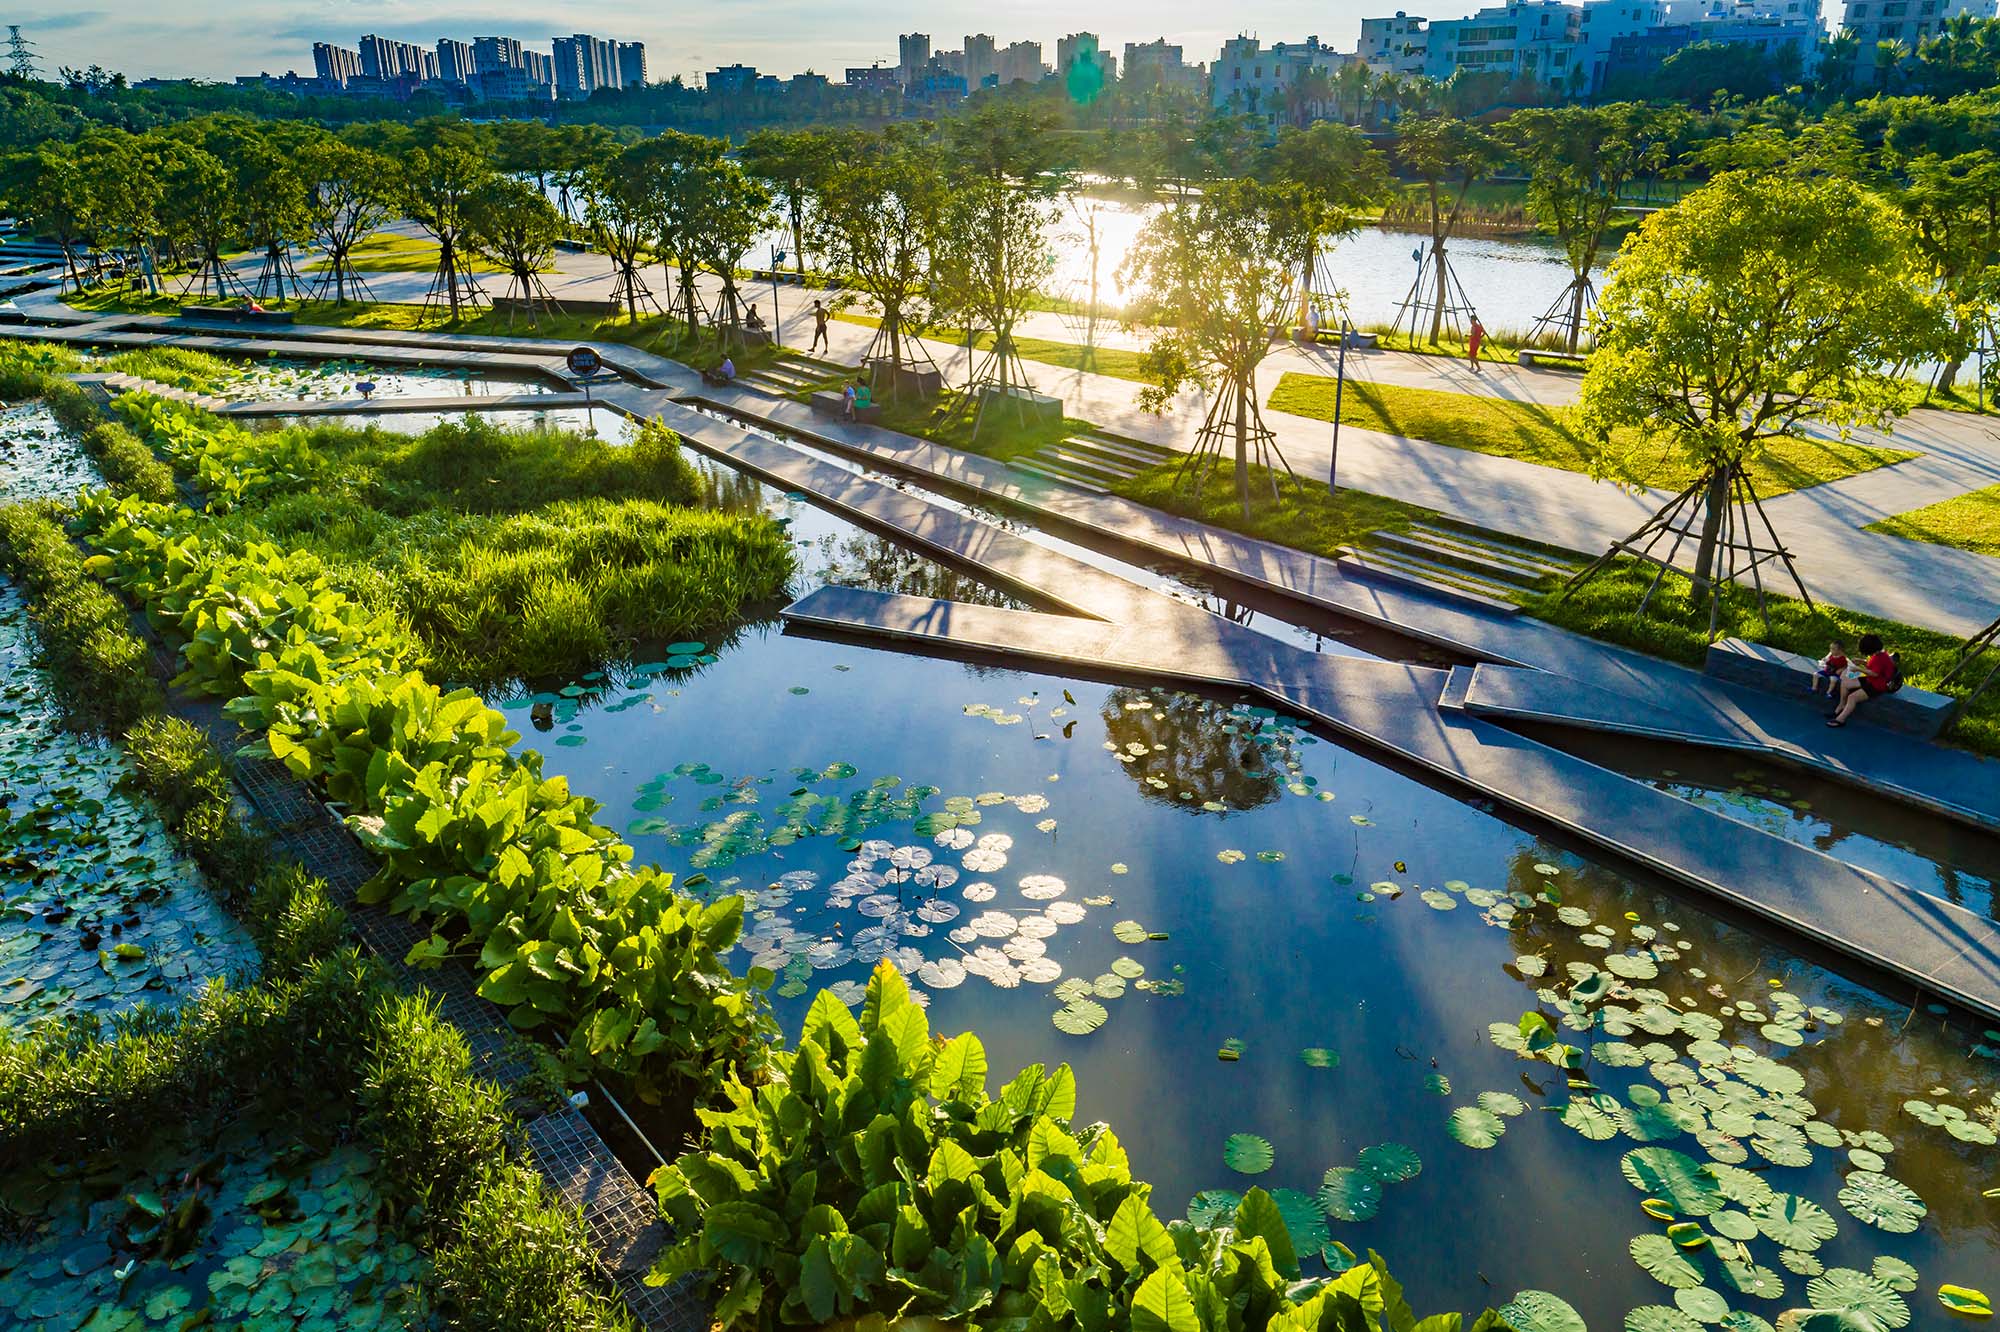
[1351, 85]
[1888, 55]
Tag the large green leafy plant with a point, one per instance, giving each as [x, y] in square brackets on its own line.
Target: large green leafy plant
[228, 463]
[873, 1174]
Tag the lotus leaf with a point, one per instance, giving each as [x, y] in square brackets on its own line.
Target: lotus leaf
[1390, 1162]
[1883, 1201]
[1844, 1290]
[1794, 1222]
[1348, 1194]
[1212, 1205]
[1475, 1126]
[1701, 1303]
[1304, 1221]
[1539, 1311]
[1246, 1154]
[1080, 1017]
[1894, 1273]
[1659, 1318]
[1678, 1178]
[1659, 1259]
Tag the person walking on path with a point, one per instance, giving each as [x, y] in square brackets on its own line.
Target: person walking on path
[1472, 341]
[1881, 674]
[819, 314]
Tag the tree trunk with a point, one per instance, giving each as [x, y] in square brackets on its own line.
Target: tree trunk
[1576, 314]
[1713, 508]
[1437, 314]
[1948, 376]
[1243, 447]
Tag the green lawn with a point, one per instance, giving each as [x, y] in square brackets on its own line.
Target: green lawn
[390, 252]
[1675, 629]
[949, 421]
[1541, 434]
[1117, 362]
[1302, 515]
[1969, 522]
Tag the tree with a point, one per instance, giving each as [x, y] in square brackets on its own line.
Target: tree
[346, 198]
[437, 182]
[1214, 275]
[50, 191]
[992, 259]
[1755, 308]
[1945, 178]
[202, 212]
[793, 163]
[1330, 171]
[275, 214]
[1963, 57]
[621, 200]
[880, 211]
[513, 224]
[1578, 161]
[729, 212]
[1441, 152]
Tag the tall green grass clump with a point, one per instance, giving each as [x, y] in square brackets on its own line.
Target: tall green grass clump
[178, 367]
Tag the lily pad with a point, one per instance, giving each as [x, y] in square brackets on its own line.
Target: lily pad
[1895, 1273]
[1659, 1318]
[1661, 1260]
[1675, 1176]
[1390, 1162]
[1212, 1205]
[1247, 1154]
[1080, 1017]
[1503, 1103]
[1844, 1290]
[1475, 1126]
[1539, 1311]
[1348, 1194]
[1304, 1221]
[1794, 1222]
[1883, 1202]
[1701, 1303]
[1317, 1057]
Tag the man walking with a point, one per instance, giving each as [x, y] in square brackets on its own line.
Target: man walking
[1472, 341]
[819, 314]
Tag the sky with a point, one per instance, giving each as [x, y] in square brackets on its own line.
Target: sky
[219, 39]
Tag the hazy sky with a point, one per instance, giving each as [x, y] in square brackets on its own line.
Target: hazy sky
[223, 38]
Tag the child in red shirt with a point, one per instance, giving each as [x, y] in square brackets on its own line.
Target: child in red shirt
[1831, 667]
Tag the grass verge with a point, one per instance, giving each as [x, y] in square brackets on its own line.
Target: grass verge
[1965, 522]
[1676, 629]
[1539, 433]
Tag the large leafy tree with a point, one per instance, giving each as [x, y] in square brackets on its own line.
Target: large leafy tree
[794, 163]
[1579, 160]
[438, 181]
[513, 224]
[276, 216]
[202, 211]
[620, 204]
[1331, 171]
[880, 213]
[49, 190]
[1446, 156]
[1756, 308]
[126, 189]
[1945, 177]
[1214, 274]
[347, 192]
[729, 212]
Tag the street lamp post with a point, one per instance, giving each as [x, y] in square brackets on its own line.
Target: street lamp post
[777, 337]
[1339, 388]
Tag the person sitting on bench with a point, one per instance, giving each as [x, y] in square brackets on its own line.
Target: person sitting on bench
[1882, 673]
[755, 321]
[722, 376]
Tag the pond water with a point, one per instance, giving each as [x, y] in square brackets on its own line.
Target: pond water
[1275, 960]
[283, 1228]
[98, 913]
[275, 378]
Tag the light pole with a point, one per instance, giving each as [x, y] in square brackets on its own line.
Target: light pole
[777, 319]
[1339, 388]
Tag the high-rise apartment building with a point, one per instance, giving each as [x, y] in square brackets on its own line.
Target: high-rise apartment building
[583, 64]
[541, 69]
[631, 64]
[454, 60]
[913, 52]
[491, 53]
[1021, 62]
[385, 58]
[336, 65]
[982, 61]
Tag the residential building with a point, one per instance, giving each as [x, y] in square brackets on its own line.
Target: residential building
[1603, 26]
[631, 64]
[941, 81]
[510, 83]
[1637, 55]
[1905, 21]
[335, 65]
[730, 79]
[1083, 48]
[496, 53]
[872, 79]
[583, 64]
[384, 58]
[913, 51]
[982, 59]
[1249, 79]
[1398, 45]
[541, 69]
[1021, 62]
[1158, 64]
[455, 61]
[1524, 39]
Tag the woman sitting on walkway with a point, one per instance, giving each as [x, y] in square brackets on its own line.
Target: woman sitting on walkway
[1881, 674]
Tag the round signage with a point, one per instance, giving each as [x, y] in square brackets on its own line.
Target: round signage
[584, 361]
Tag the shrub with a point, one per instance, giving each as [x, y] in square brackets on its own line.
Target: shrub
[128, 465]
[27, 369]
[177, 766]
[520, 1262]
[101, 672]
[875, 1176]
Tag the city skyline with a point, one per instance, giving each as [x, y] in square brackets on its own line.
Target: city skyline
[221, 39]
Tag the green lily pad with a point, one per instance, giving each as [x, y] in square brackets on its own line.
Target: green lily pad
[1080, 1017]
[1502, 1103]
[1794, 1222]
[1348, 1194]
[1475, 1126]
[1590, 1120]
[1702, 1304]
[1539, 1311]
[1658, 1257]
[1894, 1273]
[1304, 1221]
[1883, 1201]
[1129, 932]
[1844, 1290]
[1390, 1162]
[1659, 1318]
[1733, 1225]
[1247, 1154]
[1317, 1057]
[1678, 1178]
[1753, 1280]
[1212, 1205]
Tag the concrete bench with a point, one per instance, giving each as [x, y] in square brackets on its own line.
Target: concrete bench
[1909, 710]
[1355, 341]
[903, 381]
[236, 314]
[1034, 408]
[592, 309]
[784, 275]
[829, 403]
[1549, 360]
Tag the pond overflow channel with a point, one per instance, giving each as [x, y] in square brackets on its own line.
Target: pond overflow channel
[1111, 625]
